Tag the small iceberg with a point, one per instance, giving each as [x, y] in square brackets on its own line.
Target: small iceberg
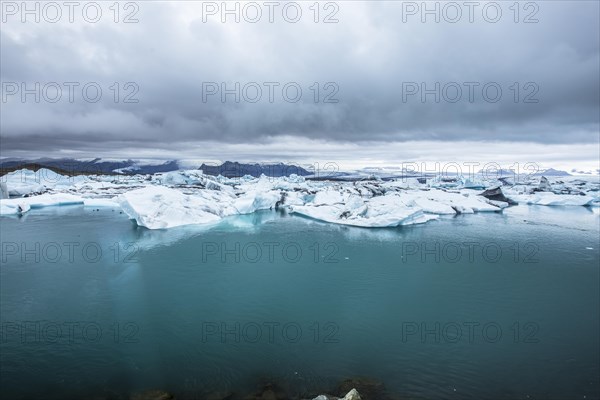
[159, 207]
[23, 204]
[378, 212]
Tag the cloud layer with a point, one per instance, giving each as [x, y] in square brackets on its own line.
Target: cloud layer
[362, 79]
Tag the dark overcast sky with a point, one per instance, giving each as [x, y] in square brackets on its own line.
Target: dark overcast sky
[370, 56]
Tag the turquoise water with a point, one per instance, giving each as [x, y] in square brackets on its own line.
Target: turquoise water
[476, 306]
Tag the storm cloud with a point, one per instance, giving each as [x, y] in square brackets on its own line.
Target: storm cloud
[384, 74]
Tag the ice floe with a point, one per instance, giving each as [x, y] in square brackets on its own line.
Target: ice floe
[185, 197]
[159, 207]
[552, 199]
[377, 212]
[24, 204]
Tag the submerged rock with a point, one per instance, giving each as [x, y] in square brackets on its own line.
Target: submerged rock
[152, 395]
[369, 389]
[220, 396]
[269, 391]
[351, 395]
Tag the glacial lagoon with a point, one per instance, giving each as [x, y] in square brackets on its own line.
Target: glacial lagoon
[501, 305]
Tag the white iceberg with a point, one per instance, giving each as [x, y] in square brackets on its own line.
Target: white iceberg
[3, 191]
[24, 204]
[25, 181]
[256, 200]
[187, 197]
[552, 199]
[159, 207]
[377, 212]
[428, 205]
[466, 202]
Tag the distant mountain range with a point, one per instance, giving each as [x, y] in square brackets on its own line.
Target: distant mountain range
[510, 172]
[230, 169]
[97, 166]
[553, 172]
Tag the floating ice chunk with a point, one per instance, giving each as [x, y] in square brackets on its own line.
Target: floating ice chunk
[389, 210]
[466, 202]
[13, 207]
[294, 199]
[200, 198]
[293, 178]
[94, 186]
[48, 200]
[378, 212]
[545, 185]
[25, 181]
[445, 182]
[3, 191]
[433, 207]
[497, 195]
[472, 183]
[158, 207]
[329, 197]
[179, 178]
[257, 200]
[498, 203]
[551, 199]
[428, 205]
[24, 204]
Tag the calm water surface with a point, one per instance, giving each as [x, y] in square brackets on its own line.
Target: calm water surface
[476, 306]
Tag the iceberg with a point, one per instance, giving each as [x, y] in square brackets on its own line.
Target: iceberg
[256, 200]
[186, 197]
[378, 212]
[427, 204]
[496, 195]
[24, 204]
[22, 182]
[544, 185]
[3, 191]
[13, 208]
[159, 207]
[25, 181]
[552, 199]
[466, 202]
